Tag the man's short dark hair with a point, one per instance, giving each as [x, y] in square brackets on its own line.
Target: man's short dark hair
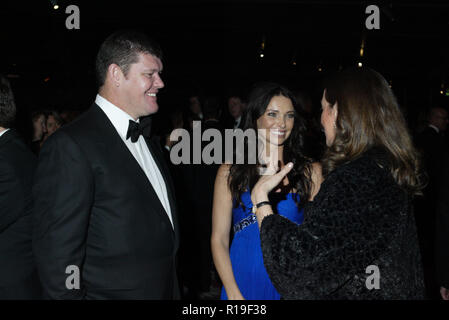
[7, 105]
[236, 93]
[123, 48]
[36, 114]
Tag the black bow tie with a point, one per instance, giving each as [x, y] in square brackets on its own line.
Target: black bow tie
[136, 129]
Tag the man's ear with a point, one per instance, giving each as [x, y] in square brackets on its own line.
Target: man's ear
[115, 74]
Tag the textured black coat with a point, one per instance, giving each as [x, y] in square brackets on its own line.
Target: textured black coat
[360, 217]
[442, 230]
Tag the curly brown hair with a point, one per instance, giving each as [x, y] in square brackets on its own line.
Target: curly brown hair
[369, 116]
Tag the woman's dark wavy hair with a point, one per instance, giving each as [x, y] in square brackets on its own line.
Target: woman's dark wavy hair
[369, 116]
[244, 176]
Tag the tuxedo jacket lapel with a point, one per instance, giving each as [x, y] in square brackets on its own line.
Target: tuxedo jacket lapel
[158, 157]
[8, 136]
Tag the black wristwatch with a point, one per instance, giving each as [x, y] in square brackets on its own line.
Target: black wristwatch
[260, 204]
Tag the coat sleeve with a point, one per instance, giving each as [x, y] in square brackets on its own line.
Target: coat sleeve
[339, 239]
[12, 196]
[63, 194]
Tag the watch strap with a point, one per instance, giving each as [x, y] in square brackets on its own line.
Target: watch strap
[260, 204]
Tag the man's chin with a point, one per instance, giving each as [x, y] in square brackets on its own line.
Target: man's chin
[149, 110]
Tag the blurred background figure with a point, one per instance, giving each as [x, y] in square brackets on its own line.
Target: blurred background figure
[236, 106]
[176, 121]
[315, 142]
[431, 143]
[198, 274]
[39, 121]
[18, 276]
[203, 178]
[195, 107]
[69, 115]
[192, 110]
[53, 123]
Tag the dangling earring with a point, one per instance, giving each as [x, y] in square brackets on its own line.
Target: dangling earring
[335, 125]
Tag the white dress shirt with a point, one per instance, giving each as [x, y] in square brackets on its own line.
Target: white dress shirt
[434, 128]
[139, 149]
[237, 122]
[3, 132]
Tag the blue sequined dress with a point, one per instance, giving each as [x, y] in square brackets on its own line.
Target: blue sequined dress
[246, 253]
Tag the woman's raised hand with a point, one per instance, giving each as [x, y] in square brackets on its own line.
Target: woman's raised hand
[271, 177]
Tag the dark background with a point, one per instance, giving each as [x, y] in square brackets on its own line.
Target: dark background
[212, 46]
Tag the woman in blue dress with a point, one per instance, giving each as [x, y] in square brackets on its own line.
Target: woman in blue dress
[272, 114]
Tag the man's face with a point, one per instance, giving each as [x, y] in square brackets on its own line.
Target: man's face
[138, 90]
[52, 125]
[440, 119]
[40, 127]
[195, 105]
[235, 107]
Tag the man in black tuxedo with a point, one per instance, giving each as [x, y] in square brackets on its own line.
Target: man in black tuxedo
[18, 276]
[104, 204]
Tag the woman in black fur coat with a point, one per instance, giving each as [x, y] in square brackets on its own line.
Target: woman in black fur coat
[358, 239]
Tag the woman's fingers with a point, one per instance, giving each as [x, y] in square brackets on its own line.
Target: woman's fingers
[283, 172]
[268, 182]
